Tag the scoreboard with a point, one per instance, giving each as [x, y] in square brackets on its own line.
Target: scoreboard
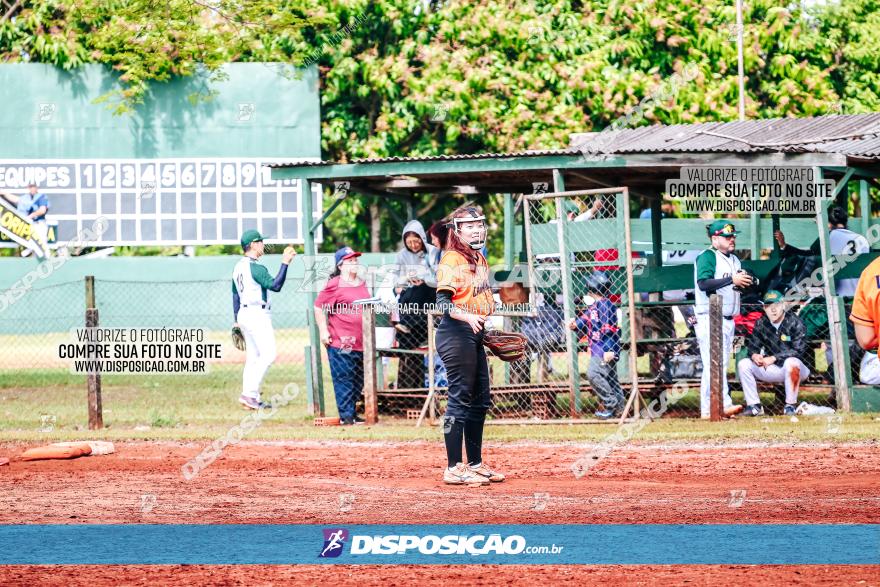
[165, 201]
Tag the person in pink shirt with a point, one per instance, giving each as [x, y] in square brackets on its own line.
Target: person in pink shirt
[340, 326]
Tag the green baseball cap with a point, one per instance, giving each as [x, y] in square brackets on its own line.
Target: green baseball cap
[722, 228]
[772, 297]
[249, 237]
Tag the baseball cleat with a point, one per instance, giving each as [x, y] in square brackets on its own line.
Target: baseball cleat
[604, 414]
[732, 410]
[754, 410]
[460, 474]
[485, 471]
[789, 410]
[252, 404]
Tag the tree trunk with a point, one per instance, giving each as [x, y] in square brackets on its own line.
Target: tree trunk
[375, 227]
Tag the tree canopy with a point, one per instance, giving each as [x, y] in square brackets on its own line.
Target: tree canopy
[418, 77]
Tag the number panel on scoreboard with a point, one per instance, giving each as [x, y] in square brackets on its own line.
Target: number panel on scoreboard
[164, 201]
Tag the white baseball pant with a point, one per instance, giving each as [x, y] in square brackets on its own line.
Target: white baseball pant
[869, 370]
[792, 372]
[256, 326]
[702, 331]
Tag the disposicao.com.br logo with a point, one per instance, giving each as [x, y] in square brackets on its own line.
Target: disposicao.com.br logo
[431, 544]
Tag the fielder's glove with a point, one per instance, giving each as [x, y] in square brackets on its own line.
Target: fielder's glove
[238, 338]
[507, 346]
[756, 283]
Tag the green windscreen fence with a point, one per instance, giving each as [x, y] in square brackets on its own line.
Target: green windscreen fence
[260, 110]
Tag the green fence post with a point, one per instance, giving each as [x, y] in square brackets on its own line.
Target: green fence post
[314, 337]
[508, 260]
[508, 232]
[625, 325]
[574, 375]
[656, 232]
[835, 326]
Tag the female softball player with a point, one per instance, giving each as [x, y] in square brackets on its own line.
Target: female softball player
[464, 296]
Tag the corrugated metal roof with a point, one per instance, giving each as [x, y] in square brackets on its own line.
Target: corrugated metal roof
[430, 158]
[855, 135]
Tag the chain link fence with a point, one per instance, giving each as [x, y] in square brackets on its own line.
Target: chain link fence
[580, 271]
[553, 290]
[37, 323]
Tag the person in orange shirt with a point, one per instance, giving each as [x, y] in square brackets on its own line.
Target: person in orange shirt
[465, 298]
[865, 317]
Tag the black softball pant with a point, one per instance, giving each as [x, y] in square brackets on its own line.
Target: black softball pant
[466, 370]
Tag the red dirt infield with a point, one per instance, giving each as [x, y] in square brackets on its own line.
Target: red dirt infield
[338, 483]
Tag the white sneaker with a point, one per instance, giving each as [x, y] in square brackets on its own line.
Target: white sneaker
[460, 474]
[485, 471]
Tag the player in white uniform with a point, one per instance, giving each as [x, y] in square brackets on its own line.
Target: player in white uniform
[841, 241]
[250, 304]
[717, 271]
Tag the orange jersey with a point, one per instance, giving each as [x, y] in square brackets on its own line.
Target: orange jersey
[866, 304]
[469, 284]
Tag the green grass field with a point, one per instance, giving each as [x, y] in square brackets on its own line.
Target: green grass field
[50, 405]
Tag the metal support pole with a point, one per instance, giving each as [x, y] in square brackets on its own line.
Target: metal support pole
[775, 226]
[431, 373]
[623, 210]
[509, 239]
[310, 382]
[311, 294]
[571, 342]
[739, 60]
[327, 212]
[842, 392]
[716, 346]
[656, 232]
[93, 380]
[836, 329]
[432, 386]
[755, 244]
[865, 206]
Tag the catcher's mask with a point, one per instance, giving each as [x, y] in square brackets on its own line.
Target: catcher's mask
[479, 237]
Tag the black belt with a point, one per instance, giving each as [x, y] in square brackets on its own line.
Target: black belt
[260, 305]
[725, 317]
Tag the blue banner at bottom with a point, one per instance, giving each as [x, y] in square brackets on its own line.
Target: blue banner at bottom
[593, 544]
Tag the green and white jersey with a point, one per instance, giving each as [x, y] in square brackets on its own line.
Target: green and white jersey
[847, 242]
[251, 281]
[713, 264]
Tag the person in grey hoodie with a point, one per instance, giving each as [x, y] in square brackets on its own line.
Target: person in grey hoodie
[416, 286]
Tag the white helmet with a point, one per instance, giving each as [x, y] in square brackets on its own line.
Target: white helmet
[475, 216]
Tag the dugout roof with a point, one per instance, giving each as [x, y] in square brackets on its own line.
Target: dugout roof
[640, 158]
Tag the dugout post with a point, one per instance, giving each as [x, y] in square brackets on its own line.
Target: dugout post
[370, 359]
[93, 380]
[571, 338]
[316, 402]
[836, 314]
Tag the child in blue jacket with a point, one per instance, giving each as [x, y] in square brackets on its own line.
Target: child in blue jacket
[599, 323]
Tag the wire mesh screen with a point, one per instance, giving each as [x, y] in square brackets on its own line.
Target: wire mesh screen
[669, 352]
[581, 275]
[39, 322]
